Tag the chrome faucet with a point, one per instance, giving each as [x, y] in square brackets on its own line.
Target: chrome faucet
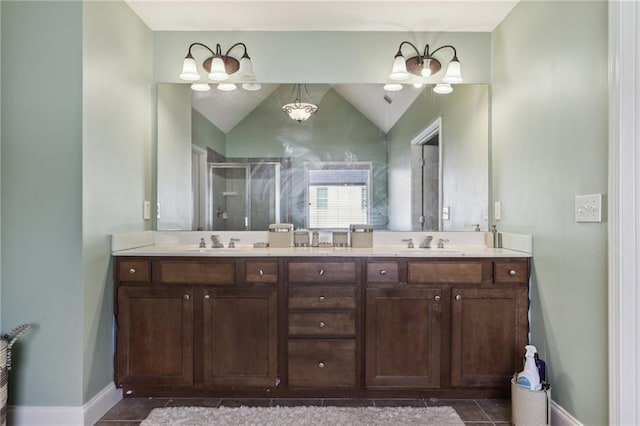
[202, 243]
[441, 242]
[215, 242]
[232, 242]
[426, 243]
[409, 242]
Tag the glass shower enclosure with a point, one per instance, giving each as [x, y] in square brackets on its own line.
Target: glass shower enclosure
[243, 196]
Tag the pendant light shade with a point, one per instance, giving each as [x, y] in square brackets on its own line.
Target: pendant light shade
[218, 73]
[453, 74]
[443, 88]
[226, 87]
[245, 72]
[298, 110]
[399, 68]
[200, 87]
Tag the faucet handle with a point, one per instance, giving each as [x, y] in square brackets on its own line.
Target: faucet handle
[232, 242]
[409, 242]
[202, 243]
[441, 242]
[476, 227]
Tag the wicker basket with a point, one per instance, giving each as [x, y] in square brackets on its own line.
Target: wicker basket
[528, 407]
[6, 342]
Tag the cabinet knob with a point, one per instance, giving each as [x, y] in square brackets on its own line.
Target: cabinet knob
[458, 297]
[132, 271]
[437, 298]
[186, 297]
[321, 298]
[383, 272]
[322, 324]
[261, 272]
[129, 392]
[321, 364]
[321, 272]
[207, 297]
[513, 272]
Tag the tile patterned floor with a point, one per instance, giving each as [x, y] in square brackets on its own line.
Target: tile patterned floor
[479, 412]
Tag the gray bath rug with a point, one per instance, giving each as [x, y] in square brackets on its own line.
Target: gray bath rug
[299, 416]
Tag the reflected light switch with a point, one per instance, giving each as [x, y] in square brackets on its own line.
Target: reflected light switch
[445, 213]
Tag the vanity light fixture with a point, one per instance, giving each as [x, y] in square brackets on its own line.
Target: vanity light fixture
[298, 110]
[219, 67]
[426, 65]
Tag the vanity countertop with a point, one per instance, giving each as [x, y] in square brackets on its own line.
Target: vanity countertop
[386, 251]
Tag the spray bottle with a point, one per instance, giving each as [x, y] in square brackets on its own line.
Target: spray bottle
[529, 377]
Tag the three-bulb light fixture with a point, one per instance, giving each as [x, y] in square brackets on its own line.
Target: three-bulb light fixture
[424, 65]
[220, 67]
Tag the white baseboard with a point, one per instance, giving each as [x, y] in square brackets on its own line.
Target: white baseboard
[86, 415]
[560, 417]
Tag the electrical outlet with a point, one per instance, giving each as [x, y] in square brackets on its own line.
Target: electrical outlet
[497, 210]
[146, 210]
[588, 208]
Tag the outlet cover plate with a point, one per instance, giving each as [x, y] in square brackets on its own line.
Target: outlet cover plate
[588, 208]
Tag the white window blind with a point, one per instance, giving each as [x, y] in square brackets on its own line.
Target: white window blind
[338, 194]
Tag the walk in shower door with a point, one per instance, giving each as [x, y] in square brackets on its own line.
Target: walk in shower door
[243, 196]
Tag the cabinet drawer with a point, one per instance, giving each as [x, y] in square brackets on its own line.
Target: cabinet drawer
[322, 363]
[261, 272]
[197, 272]
[322, 324]
[134, 271]
[322, 272]
[383, 272]
[444, 272]
[322, 298]
[510, 272]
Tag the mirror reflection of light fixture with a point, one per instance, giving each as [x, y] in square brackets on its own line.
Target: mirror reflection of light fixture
[219, 67]
[298, 110]
[426, 65]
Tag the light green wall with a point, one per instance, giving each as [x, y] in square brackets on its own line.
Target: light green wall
[549, 137]
[42, 198]
[465, 143]
[320, 57]
[338, 132]
[205, 134]
[117, 154]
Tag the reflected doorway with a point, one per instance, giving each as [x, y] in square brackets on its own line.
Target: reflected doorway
[427, 177]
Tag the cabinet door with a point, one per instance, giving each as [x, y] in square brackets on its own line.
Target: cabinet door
[402, 338]
[488, 335]
[155, 336]
[240, 337]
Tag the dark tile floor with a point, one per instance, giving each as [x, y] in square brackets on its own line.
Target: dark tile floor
[478, 412]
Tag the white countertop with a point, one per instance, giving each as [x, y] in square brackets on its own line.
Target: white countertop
[386, 251]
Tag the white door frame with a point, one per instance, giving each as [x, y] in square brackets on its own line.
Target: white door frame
[624, 213]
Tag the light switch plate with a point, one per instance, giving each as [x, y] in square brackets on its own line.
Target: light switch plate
[497, 210]
[146, 210]
[445, 213]
[588, 208]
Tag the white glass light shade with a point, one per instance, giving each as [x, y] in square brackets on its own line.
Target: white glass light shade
[189, 70]
[226, 87]
[443, 88]
[300, 111]
[251, 87]
[218, 72]
[200, 87]
[392, 87]
[453, 74]
[426, 68]
[418, 85]
[245, 72]
[399, 69]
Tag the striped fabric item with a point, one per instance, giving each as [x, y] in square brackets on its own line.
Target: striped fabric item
[6, 342]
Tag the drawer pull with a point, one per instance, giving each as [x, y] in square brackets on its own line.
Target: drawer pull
[321, 364]
[207, 297]
[186, 297]
[261, 272]
[383, 272]
[513, 273]
[132, 271]
[437, 298]
[321, 272]
[321, 298]
[458, 297]
[322, 324]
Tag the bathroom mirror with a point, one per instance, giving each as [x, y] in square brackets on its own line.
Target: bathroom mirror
[404, 161]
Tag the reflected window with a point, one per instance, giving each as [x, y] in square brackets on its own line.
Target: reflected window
[338, 194]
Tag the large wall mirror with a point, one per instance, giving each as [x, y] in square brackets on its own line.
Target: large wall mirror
[409, 160]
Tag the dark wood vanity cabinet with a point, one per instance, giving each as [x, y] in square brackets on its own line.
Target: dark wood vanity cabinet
[320, 326]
